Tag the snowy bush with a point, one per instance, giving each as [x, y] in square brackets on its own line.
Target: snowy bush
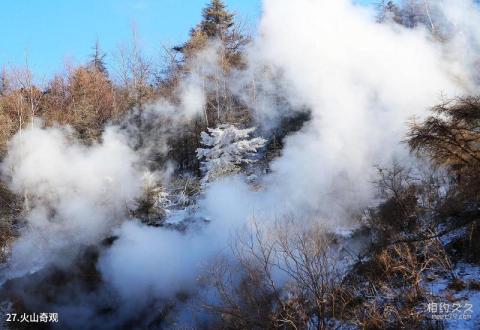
[150, 207]
[227, 149]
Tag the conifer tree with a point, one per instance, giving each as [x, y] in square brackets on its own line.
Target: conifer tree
[388, 10]
[217, 24]
[216, 20]
[97, 61]
[4, 83]
[227, 148]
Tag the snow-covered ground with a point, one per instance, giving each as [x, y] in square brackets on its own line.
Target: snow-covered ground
[460, 306]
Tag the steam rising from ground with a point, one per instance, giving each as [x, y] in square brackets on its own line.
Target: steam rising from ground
[74, 193]
[361, 81]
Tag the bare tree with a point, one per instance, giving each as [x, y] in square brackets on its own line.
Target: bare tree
[24, 81]
[135, 72]
[283, 277]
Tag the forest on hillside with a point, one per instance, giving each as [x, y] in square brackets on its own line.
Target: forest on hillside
[321, 172]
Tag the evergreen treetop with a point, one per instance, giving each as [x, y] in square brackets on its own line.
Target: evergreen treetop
[97, 61]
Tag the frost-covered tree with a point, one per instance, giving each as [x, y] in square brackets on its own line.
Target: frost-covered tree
[227, 148]
[150, 207]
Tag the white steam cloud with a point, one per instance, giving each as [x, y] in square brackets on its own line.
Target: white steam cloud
[74, 193]
[361, 80]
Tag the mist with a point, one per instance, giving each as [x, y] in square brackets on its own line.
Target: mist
[326, 169]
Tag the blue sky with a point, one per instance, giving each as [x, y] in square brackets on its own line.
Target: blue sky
[55, 32]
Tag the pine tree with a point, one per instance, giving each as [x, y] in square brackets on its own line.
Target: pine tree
[97, 61]
[4, 83]
[216, 20]
[388, 10]
[217, 24]
[409, 13]
[227, 149]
